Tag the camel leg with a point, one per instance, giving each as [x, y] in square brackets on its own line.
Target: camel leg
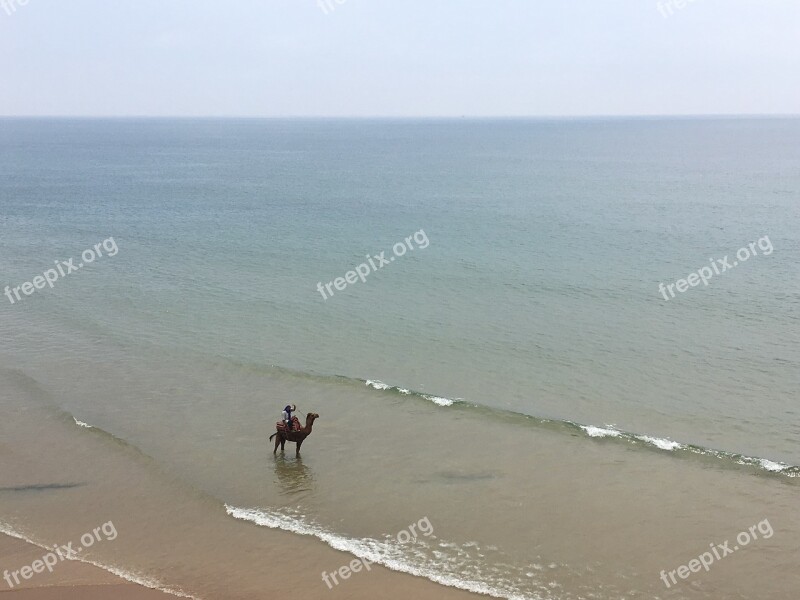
[300, 443]
[283, 442]
[277, 441]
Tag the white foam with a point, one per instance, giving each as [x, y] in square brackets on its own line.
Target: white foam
[378, 385]
[438, 400]
[669, 445]
[662, 443]
[125, 574]
[148, 582]
[593, 431]
[82, 424]
[771, 466]
[385, 553]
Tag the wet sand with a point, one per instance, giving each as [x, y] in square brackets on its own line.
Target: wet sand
[78, 581]
[71, 581]
[88, 592]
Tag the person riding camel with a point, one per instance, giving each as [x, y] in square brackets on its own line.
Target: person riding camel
[287, 416]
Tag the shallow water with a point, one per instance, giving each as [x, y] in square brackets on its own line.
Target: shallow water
[520, 381]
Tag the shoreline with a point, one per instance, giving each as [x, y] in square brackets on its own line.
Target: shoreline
[76, 580]
[73, 580]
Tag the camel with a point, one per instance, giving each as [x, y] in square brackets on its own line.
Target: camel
[295, 435]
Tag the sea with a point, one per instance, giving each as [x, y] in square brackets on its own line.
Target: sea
[498, 351]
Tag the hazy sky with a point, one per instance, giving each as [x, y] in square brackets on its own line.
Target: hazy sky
[398, 57]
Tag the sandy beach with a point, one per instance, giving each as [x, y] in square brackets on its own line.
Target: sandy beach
[79, 581]
[71, 581]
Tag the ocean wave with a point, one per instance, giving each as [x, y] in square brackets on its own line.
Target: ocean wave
[593, 431]
[770, 465]
[440, 401]
[415, 558]
[661, 443]
[380, 386]
[606, 432]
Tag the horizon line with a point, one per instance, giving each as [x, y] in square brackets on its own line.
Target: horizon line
[420, 117]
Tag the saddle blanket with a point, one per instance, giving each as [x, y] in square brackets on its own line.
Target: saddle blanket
[281, 426]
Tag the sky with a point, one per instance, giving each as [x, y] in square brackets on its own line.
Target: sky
[398, 58]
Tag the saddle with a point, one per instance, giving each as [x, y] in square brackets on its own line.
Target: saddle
[281, 426]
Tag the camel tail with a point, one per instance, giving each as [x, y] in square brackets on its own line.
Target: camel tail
[272, 436]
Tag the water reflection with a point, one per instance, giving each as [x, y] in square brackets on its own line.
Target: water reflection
[293, 477]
